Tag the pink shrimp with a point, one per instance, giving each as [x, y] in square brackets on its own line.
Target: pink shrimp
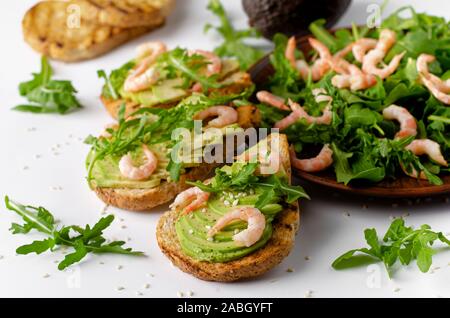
[214, 65]
[439, 88]
[374, 57]
[355, 79]
[190, 200]
[298, 112]
[272, 100]
[319, 68]
[256, 224]
[422, 67]
[322, 161]
[267, 154]
[143, 76]
[226, 115]
[128, 170]
[361, 47]
[425, 147]
[408, 125]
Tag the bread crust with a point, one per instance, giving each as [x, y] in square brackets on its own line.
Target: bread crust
[46, 29]
[285, 226]
[143, 200]
[126, 14]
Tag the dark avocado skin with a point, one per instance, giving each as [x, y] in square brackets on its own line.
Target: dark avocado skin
[292, 17]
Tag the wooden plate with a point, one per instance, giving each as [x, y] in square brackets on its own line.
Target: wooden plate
[402, 187]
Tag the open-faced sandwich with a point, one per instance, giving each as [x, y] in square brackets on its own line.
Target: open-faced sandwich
[158, 77]
[372, 103]
[144, 160]
[238, 224]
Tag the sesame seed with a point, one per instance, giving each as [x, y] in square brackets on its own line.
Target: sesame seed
[101, 263]
[119, 267]
[405, 215]
[26, 168]
[150, 275]
[346, 214]
[308, 294]
[128, 239]
[436, 268]
[235, 202]
[138, 293]
[190, 293]
[210, 239]
[46, 275]
[208, 227]
[180, 294]
[307, 258]
[204, 210]
[226, 202]
[191, 231]
[37, 156]
[396, 290]
[290, 270]
[120, 288]
[31, 129]
[121, 219]
[2, 257]
[146, 286]
[123, 226]
[236, 231]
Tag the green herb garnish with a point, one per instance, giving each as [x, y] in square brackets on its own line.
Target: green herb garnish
[400, 243]
[47, 95]
[233, 45]
[83, 240]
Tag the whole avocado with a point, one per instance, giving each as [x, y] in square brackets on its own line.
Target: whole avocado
[292, 17]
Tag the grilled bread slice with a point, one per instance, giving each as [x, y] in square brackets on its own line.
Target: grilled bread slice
[142, 200]
[285, 227]
[126, 14]
[51, 29]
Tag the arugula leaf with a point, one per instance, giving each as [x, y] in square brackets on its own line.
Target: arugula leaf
[47, 95]
[233, 45]
[115, 80]
[88, 240]
[400, 242]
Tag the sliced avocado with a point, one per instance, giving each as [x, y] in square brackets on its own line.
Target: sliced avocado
[192, 232]
[164, 92]
[106, 173]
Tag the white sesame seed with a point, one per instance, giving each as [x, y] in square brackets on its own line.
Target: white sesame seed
[204, 210]
[146, 286]
[119, 267]
[2, 257]
[180, 294]
[31, 129]
[290, 270]
[121, 219]
[436, 268]
[226, 202]
[46, 275]
[191, 231]
[209, 239]
[346, 214]
[396, 290]
[190, 293]
[138, 293]
[56, 153]
[235, 202]
[37, 156]
[236, 231]
[308, 294]
[101, 263]
[123, 226]
[405, 215]
[208, 227]
[252, 191]
[128, 239]
[26, 168]
[150, 275]
[307, 258]
[120, 288]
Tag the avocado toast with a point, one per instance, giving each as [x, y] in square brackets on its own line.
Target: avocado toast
[140, 162]
[195, 243]
[161, 78]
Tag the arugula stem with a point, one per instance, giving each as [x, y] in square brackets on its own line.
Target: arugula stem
[439, 118]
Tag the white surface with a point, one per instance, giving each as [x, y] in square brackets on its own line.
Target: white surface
[325, 232]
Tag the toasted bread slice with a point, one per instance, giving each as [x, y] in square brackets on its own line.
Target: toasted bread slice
[142, 200]
[146, 199]
[242, 82]
[126, 14]
[255, 264]
[48, 28]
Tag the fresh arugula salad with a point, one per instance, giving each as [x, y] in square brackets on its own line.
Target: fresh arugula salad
[374, 100]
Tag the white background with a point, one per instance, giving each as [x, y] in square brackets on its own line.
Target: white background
[56, 180]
